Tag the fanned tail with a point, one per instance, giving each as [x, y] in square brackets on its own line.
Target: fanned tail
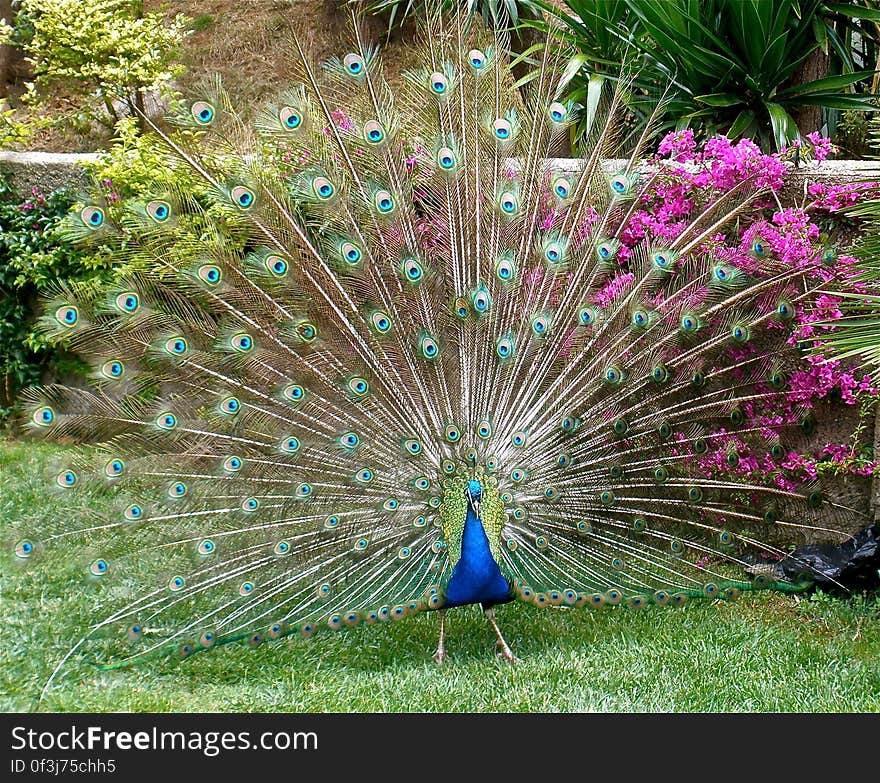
[367, 299]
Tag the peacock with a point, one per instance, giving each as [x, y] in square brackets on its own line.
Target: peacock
[381, 351]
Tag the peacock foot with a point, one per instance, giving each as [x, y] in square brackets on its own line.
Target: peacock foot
[440, 657]
[503, 651]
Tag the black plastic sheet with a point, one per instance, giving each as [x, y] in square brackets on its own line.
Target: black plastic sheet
[851, 566]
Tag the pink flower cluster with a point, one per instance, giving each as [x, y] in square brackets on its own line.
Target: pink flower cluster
[689, 179]
[38, 201]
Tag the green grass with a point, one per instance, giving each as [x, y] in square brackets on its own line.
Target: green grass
[762, 653]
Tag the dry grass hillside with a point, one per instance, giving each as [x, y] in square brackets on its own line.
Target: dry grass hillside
[247, 42]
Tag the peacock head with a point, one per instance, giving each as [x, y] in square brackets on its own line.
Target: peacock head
[474, 491]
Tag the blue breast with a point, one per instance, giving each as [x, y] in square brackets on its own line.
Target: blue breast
[476, 578]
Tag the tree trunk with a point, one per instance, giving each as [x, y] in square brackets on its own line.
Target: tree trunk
[9, 55]
[809, 118]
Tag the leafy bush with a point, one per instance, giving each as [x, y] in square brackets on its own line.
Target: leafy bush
[109, 48]
[33, 261]
[725, 66]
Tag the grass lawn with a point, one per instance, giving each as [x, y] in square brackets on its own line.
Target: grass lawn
[762, 653]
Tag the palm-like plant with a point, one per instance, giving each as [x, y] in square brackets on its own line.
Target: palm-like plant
[857, 334]
[495, 13]
[724, 65]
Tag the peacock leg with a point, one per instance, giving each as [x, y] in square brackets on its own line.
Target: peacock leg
[441, 655]
[501, 646]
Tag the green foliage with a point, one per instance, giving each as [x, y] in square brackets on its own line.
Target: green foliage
[33, 261]
[109, 48]
[136, 166]
[725, 66]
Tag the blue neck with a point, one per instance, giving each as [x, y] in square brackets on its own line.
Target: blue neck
[476, 578]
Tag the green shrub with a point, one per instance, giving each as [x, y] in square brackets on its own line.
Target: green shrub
[34, 261]
[107, 48]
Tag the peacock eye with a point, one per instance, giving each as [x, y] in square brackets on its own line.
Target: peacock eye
[412, 270]
[133, 512]
[67, 315]
[358, 386]
[243, 197]
[67, 479]
[93, 217]
[381, 322]
[374, 133]
[128, 302]
[293, 392]
[230, 405]
[351, 253]
[540, 325]
[307, 331]
[587, 316]
[621, 185]
[557, 112]
[384, 202]
[177, 346]
[160, 211]
[202, 112]
[613, 374]
[476, 59]
[166, 421]
[353, 64]
[446, 158]
[276, 266]
[561, 187]
[233, 464]
[505, 270]
[113, 369]
[481, 300]
[210, 274]
[99, 567]
[640, 318]
[606, 250]
[290, 118]
[323, 188]
[508, 203]
[502, 129]
[242, 342]
[428, 347]
[785, 310]
[43, 416]
[439, 83]
[504, 348]
[177, 490]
